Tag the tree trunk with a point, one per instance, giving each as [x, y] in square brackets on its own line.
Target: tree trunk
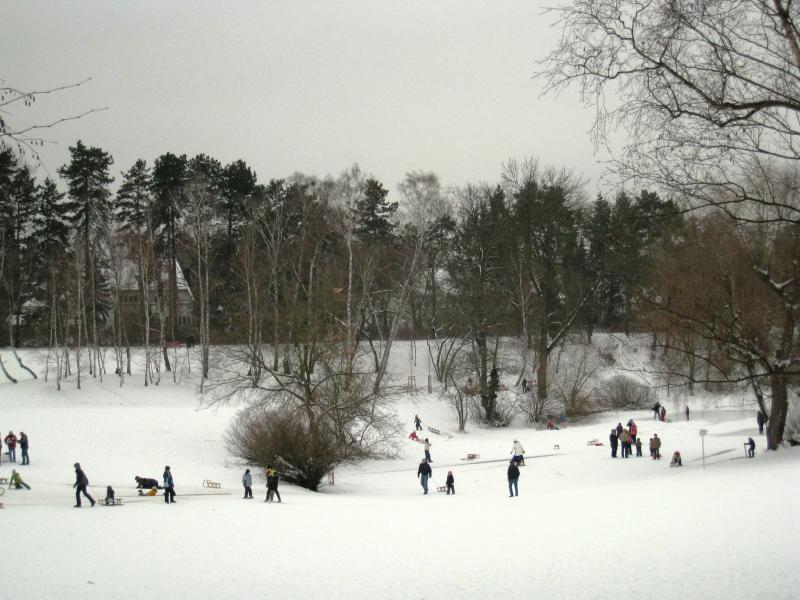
[779, 407]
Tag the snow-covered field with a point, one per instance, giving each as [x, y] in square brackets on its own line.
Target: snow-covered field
[583, 526]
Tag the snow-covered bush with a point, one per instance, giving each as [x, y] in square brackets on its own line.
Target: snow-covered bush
[622, 391]
[282, 438]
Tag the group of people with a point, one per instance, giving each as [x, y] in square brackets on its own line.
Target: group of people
[11, 441]
[424, 472]
[660, 412]
[625, 439]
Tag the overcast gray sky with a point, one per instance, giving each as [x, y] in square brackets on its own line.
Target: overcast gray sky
[311, 86]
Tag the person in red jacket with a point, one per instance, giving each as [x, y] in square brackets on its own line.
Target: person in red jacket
[11, 442]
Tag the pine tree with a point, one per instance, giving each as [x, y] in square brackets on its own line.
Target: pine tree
[134, 198]
[374, 214]
[88, 180]
[238, 184]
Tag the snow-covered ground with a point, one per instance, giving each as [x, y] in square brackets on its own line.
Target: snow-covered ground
[583, 526]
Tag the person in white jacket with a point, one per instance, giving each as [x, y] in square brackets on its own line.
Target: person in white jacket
[518, 453]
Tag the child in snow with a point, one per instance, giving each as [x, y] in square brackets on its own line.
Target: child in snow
[413, 436]
[450, 481]
[428, 450]
[663, 414]
[751, 447]
[109, 499]
[655, 447]
[16, 481]
[614, 440]
[417, 423]
[638, 446]
[676, 460]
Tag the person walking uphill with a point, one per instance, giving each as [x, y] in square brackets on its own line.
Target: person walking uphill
[424, 472]
[513, 479]
[427, 447]
[80, 485]
[518, 453]
[247, 482]
[272, 484]
[417, 423]
[169, 486]
[450, 482]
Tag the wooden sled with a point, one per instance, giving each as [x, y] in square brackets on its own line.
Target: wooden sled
[433, 430]
[441, 488]
[211, 484]
[471, 457]
[114, 502]
[594, 442]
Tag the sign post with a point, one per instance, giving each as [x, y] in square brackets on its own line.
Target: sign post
[703, 433]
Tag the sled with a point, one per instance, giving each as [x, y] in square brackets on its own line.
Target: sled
[556, 447]
[433, 430]
[149, 492]
[441, 488]
[114, 502]
[211, 484]
[3, 480]
[471, 457]
[594, 442]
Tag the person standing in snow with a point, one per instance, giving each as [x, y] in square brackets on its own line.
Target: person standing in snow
[655, 446]
[751, 447]
[633, 430]
[619, 428]
[656, 410]
[638, 446]
[23, 445]
[11, 444]
[417, 423]
[424, 472]
[614, 440]
[450, 483]
[247, 482]
[169, 486]
[663, 413]
[16, 481]
[518, 453]
[427, 447]
[760, 420]
[624, 440]
[272, 484]
[513, 479]
[80, 485]
[686, 411]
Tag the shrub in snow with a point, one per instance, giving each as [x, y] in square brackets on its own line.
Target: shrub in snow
[622, 391]
[285, 440]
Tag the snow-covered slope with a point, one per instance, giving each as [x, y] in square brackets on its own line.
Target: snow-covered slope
[583, 526]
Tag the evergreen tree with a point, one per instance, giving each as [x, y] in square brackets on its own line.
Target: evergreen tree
[169, 181]
[134, 198]
[374, 214]
[88, 180]
[238, 185]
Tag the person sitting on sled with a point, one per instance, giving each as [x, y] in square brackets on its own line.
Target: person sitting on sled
[676, 460]
[109, 499]
[413, 436]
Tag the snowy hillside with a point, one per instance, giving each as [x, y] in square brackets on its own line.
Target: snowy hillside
[584, 525]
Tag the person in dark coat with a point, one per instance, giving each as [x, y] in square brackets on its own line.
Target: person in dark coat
[169, 486]
[247, 482]
[80, 485]
[424, 472]
[109, 500]
[751, 447]
[23, 445]
[686, 410]
[450, 483]
[638, 446]
[614, 442]
[513, 479]
[272, 484]
[145, 483]
[656, 410]
[760, 420]
[417, 423]
[619, 428]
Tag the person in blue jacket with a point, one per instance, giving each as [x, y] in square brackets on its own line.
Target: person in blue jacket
[169, 486]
